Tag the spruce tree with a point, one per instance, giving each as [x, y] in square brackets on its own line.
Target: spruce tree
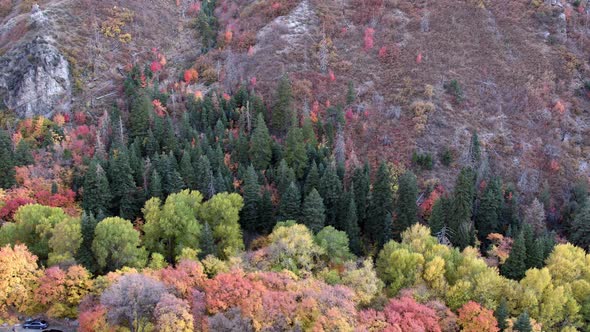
[282, 111]
[438, 215]
[381, 204]
[23, 155]
[351, 227]
[523, 323]
[204, 175]
[309, 135]
[173, 180]
[488, 214]
[136, 162]
[406, 209]
[7, 161]
[251, 194]
[330, 190]
[284, 175]
[207, 242]
[97, 194]
[580, 229]
[475, 149]
[536, 255]
[290, 206]
[187, 171]
[295, 153]
[502, 313]
[122, 184]
[462, 207]
[465, 235]
[386, 234]
[265, 212]
[139, 115]
[84, 255]
[155, 185]
[515, 266]
[362, 188]
[261, 145]
[313, 212]
[312, 180]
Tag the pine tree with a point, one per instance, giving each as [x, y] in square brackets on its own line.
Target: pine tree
[406, 209]
[97, 194]
[386, 234]
[313, 212]
[462, 207]
[23, 155]
[282, 111]
[350, 94]
[187, 172]
[139, 115]
[381, 204]
[261, 145]
[536, 255]
[523, 323]
[488, 214]
[438, 215]
[265, 212]
[173, 180]
[290, 206]
[204, 175]
[502, 313]
[312, 180]
[155, 185]
[7, 161]
[351, 227]
[295, 153]
[330, 190]
[122, 184]
[580, 229]
[207, 242]
[249, 213]
[362, 188]
[475, 149]
[515, 265]
[465, 235]
[284, 176]
[136, 162]
[84, 255]
[309, 135]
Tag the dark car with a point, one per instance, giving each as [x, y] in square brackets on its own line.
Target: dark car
[37, 324]
[53, 330]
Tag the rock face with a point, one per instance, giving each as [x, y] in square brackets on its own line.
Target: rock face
[35, 78]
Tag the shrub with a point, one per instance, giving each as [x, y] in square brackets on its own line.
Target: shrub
[446, 156]
[454, 88]
[423, 160]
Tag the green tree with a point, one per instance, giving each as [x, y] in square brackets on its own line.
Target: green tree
[330, 190]
[335, 245]
[266, 212]
[261, 145]
[523, 323]
[249, 214]
[122, 184]
[381, 204]
[362, 188]
[284, 175]
[155, 185]
[290, 206]
[312, 180]
[173, 226]
[116, 244]
[222, 212]
[23, 155]
[173, 182]
[462, 207]
[488, 214]
[7, 161]
[204, 175]
[187, 172]
[515, 266]
[351, 227]
[207, 242]
[295, 153]
[580, 228]
[438, 215]
[313, 213]
[139, 115]
[85, 255]
[97, 194]
[406, 209]
[474, 148]
[502, 313]
[66, 238]
[282, 111]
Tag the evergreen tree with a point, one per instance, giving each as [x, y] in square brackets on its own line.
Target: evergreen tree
[351, 227]
[155, 185]
[381, 204]
[136, 162]
[350, 94]
[23, 154]
[282, 110]
[173, 180]
[84, 255]
[265, 212]
[502, 313]
[261, 145]
[290, 205]
[312, 180]
[249, 213]
[386, 233]
[139, 115]
[515, 265]
[438, 215]
[523, 323]
[187, 172]
[313, 212]
[362, 188]
[309, 135]
[207, 242]
[284, 176]
[295, 153]
[406, 209]
[204, 175]
[488, 214]
[580, 229]
[330, 190]
[475, 149]
[7, 161]
[462, 207]
[122, 184]
[465, 235]
[536, 255]
[97, 194]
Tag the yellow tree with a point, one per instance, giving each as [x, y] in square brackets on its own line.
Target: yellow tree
[18, 279]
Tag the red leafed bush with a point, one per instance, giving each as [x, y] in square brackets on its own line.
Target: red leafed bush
[94, 319]
[428, 203]
[369, 38]
[403, 314]
[156, 66]
[191, 75]
[11, 205]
